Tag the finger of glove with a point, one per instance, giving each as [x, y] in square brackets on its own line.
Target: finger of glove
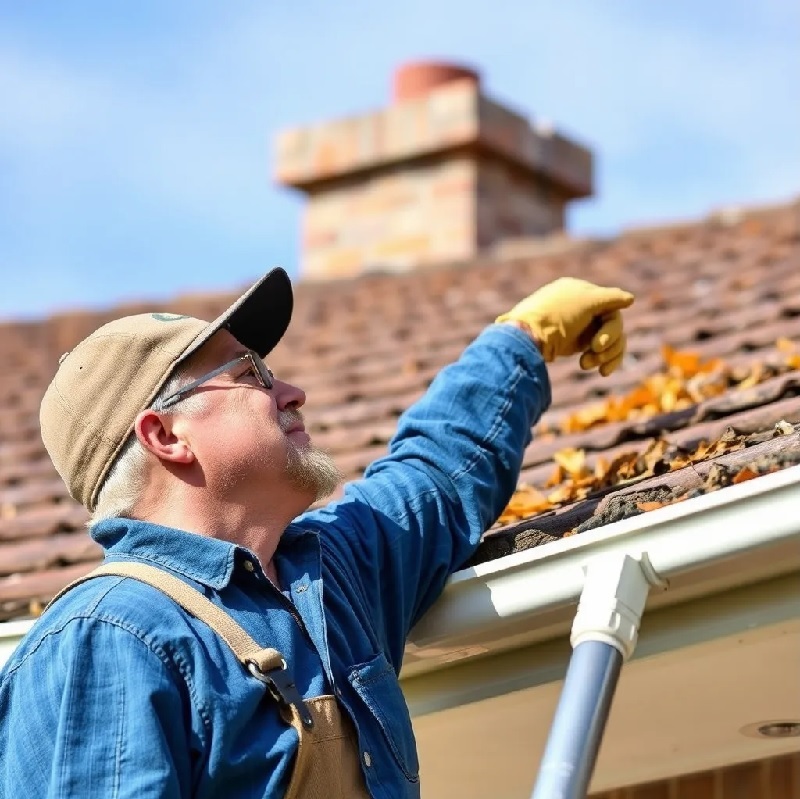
[613, 352]
[609, 333]
[610, 366]
[591, 359]
[588, 360]
[606, 300]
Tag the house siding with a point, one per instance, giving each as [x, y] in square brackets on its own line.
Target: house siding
[775, 778]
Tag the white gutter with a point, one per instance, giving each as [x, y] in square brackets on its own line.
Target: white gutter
[739, 534]
[742, 533]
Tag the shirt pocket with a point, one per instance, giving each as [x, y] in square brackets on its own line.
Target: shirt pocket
[376, 684]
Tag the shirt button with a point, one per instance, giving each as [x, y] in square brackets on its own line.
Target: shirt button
[301, 588]
[248, 565]
[367, 759]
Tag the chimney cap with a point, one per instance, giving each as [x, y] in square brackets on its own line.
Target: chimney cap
[417, 78]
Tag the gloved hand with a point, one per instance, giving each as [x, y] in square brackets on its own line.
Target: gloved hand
[569, 316]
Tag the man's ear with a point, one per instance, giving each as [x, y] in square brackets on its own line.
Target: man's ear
[155, 433]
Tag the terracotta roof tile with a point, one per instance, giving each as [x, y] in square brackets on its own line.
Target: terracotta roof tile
[726, 287]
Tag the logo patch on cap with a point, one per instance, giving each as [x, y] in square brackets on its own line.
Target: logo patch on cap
[168, 317]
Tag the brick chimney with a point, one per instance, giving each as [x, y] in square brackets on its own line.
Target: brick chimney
[438, 176]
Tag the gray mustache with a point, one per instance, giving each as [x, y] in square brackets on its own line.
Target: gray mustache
[288, 418]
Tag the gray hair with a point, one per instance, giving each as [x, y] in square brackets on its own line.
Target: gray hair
[126, 480]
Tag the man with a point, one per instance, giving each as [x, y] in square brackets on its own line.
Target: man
[238, 648]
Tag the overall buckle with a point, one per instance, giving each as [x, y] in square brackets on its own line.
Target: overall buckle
[282, 687]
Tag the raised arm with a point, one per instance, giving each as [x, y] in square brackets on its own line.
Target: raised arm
[419, 512]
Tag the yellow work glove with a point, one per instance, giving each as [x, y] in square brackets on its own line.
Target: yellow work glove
[569, 316]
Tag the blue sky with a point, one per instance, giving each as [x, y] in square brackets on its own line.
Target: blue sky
[136, 138]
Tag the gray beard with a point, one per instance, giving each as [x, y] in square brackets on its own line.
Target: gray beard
[309, 468]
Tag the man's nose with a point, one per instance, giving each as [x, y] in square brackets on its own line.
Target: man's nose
[288, 397]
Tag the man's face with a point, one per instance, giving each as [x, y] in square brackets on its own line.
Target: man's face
[249, 439]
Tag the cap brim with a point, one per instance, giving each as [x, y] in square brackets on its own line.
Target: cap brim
[258, 319]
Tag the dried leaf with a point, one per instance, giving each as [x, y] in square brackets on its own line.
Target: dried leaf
[686, 380]
[790, 349]
[524, 503]
[784, 428]
[754, 378]
[680, 462]
[566, 493]
[623, 467]
[646, 506]
[572, 461]
[654, 455]
[557, 477]
[743, 475]
[681, 362]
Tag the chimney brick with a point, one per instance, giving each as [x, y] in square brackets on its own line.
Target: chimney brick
[441, 174]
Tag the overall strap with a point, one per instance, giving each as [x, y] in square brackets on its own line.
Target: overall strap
[265, 664]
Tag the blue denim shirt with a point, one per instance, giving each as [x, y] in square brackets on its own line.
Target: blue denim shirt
[116, 692]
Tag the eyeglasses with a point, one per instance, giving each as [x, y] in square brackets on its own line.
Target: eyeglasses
[260, 370]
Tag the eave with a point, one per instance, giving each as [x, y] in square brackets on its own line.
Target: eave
[718, 650]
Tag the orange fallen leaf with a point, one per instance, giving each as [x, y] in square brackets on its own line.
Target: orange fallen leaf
[790, 349]
[754, 378]
[572, 461]
[743, 475]
[557, 477]
[646, 506]
[524, 503]
[685, 380]
[569, 492]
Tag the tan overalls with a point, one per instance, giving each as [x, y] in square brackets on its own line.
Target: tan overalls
[327, 765]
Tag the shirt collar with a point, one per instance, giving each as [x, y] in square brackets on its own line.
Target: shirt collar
[206, 560]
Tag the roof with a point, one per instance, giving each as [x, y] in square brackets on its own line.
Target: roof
[709, 394]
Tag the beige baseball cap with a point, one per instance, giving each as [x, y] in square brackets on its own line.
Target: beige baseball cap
[89, 408]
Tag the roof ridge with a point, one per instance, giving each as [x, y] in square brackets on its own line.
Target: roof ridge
[724, 215]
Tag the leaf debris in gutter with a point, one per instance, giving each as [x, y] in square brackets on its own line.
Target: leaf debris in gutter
[763, 453]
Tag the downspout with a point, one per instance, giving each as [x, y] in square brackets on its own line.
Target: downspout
[604, 634]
